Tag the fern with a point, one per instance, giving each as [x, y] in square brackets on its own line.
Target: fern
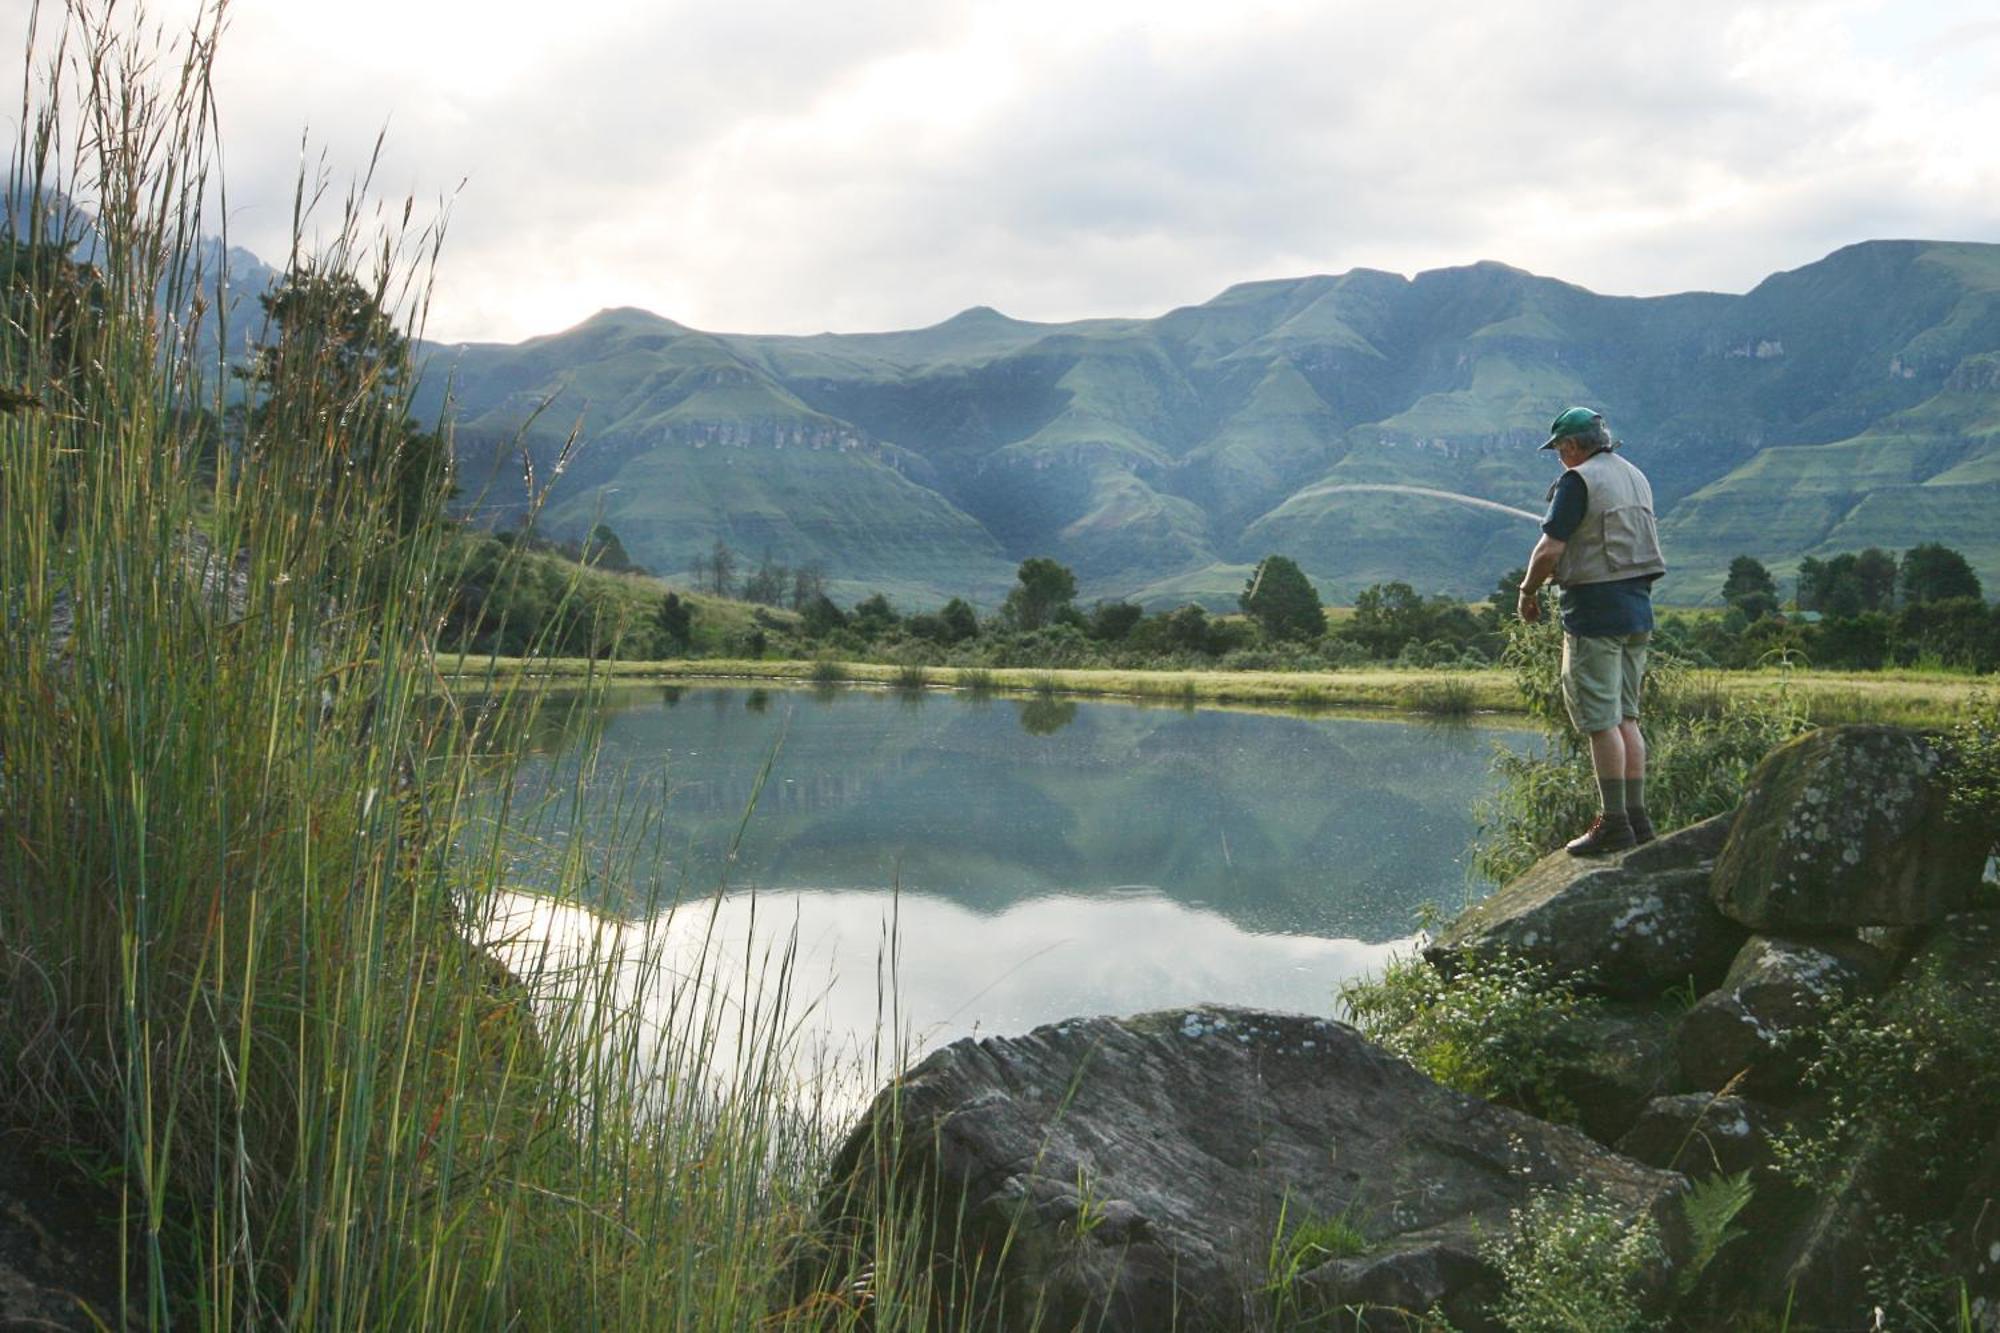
[1710, 1208]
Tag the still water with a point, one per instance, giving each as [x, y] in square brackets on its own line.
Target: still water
[948, 865]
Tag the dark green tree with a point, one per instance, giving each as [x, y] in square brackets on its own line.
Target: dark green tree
[960, 621]
[676, 621]
[1935, 573]
[602, 548]
[1506, 594]
[329, 386]
[1875, 577]
[820, 617]
[1283, 601]
[1042, 589]
[1189, 630]
[874, 616]
[1750, 587]
[1112, 621]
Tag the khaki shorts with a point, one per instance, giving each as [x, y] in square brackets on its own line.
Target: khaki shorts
[1600, 678]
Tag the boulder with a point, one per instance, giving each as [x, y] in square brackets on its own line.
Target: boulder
[1759, 1022]
[59, 1248]
[1703, 1136]
[1615, 1059]
[1628, 925]
[1131, 1173]
[1846, 827]
[1975, 1240]
[1700, 1134]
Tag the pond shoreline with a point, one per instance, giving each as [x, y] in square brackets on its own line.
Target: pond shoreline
[1909, 698]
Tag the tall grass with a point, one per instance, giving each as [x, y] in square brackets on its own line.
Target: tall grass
[241, 866]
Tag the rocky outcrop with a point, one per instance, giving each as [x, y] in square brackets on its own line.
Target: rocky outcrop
[1628, 925]
[58, 1249]
[1846, 827]
[1131, 1173]
[1701, 1134]
[1758, 1025]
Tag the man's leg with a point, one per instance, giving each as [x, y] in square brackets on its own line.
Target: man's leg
[1609, 763]
[1631, 677]
[1590, 688]
[1635, 779]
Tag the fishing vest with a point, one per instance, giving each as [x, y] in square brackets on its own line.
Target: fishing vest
[1617, 538]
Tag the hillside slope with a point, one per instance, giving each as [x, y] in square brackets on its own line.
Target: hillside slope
[1849, 402]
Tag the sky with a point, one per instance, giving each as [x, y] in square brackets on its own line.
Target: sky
[794, 166]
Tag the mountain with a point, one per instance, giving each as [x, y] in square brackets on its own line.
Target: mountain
[1354, 422]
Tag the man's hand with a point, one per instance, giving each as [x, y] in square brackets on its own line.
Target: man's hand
[1528, 606]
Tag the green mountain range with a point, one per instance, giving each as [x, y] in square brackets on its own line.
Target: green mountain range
[1346, 421]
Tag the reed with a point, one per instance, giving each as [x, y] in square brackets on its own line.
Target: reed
[252, 885]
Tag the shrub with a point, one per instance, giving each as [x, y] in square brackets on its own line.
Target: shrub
[1500, 1028]
[1571, 1263]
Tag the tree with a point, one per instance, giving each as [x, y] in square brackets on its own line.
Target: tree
[1505, 598]
[721, 568]
[1112, 621]
[873, 615]
[960, 621]
[767, 585]
[602, 548]
[820, 617]
[1042, 588]
[676, 621]
[808, 582]
[1934, 573]
[1283, 601]
[1188, 630]
[1748, 577]
[1875, 576]
[329, 386]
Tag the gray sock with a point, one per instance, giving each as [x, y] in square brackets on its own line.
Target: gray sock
[1612, 790]
[1635, 795]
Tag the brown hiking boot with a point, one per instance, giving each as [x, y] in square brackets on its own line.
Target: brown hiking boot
[1642, 825]
[1607, 833]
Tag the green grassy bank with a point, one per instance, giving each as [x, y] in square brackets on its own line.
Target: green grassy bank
[1905, 697]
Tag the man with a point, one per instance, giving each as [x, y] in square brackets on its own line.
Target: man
[1600, 545]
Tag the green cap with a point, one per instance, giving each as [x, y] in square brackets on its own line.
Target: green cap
[1576, 421]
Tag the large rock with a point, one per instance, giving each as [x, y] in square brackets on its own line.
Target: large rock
[1629, 925]
[1699, 1134]
[59, 1248]
[1612, 1061]
[1131, 1173]
[1845, 827]
[1759, 1023]
[1975, 1240]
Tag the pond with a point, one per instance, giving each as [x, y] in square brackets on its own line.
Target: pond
[944, 864]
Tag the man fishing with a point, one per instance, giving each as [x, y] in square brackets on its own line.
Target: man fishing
[1600, 545]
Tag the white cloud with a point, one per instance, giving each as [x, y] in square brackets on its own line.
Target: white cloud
[785, 166]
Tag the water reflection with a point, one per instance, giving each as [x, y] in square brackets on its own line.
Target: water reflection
[872, 969]
[1323, 826]
[1043, 716]
[954, 866]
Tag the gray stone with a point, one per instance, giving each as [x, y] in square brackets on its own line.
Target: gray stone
[1846, 827]
[1629, 925]
[1759, 1022]
[1963, 953]
[1700, 1134]
[1132, 1171]
[1975, 1239]
[59, 1249]
[1619, 1057]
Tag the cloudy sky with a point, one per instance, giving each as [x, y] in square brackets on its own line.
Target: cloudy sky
[799, 165]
